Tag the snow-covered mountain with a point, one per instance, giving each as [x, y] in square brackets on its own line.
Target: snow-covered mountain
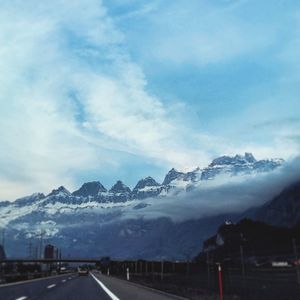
[95, 211]
[146, 188]
[238, 165]
[175, 181]
[94, 189]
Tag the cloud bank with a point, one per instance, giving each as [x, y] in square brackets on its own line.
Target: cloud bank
[222, 195]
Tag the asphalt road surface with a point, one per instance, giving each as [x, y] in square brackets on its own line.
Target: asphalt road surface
[73, 287]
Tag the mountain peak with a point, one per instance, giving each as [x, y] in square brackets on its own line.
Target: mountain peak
[92, 188]
[120, 187]
[61, 191]
[249, 157]
[148, 181]
[173, 174]
[232, 160]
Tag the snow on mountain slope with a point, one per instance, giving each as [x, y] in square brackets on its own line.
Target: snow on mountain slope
[94, 208]
[146, 188]
[93, 196]
[239, 165]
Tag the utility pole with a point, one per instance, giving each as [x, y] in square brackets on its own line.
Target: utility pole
[29, 247]
[208, 269]
[187, 268]
[3, 238]
[152, 270]
[242, 260]
[41, 243]
[162, 270]
[35, 255]
[59, 264]
[243, 265]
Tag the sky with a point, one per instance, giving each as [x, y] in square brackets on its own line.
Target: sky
[111, 89]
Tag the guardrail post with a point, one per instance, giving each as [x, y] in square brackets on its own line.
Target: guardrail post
[296, 260]
[220, 281]
[127, 273]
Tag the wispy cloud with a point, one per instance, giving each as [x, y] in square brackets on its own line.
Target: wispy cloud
[71, 96]
[201, 32]
[75, 98]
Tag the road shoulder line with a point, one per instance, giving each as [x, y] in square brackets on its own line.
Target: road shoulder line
[107, 291]
[150, 289]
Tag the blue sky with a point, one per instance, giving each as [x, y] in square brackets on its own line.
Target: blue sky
[108, 90]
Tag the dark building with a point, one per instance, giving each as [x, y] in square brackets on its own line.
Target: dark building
[49, 252]
[2, 253]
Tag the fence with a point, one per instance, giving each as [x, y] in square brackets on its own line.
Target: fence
[246, 274]
[267, 275]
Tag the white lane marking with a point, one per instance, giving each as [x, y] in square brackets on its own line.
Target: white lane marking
[108, 292]
[22, 298]
[51, 286]
[64, 280]
[4, 285]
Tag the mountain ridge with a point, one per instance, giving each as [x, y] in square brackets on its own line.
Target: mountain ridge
[174, 180]
[91, 214]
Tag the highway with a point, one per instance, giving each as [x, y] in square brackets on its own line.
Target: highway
[73, 287]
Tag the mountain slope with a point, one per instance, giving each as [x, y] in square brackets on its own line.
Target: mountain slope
[257, 238]
[120, 216]
[283, 210]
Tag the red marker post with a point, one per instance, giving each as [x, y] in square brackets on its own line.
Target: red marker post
[220, 281]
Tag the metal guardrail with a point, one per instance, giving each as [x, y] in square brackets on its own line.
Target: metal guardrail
[48, 261]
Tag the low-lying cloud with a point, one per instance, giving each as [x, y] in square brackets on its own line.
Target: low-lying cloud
[223, 195]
